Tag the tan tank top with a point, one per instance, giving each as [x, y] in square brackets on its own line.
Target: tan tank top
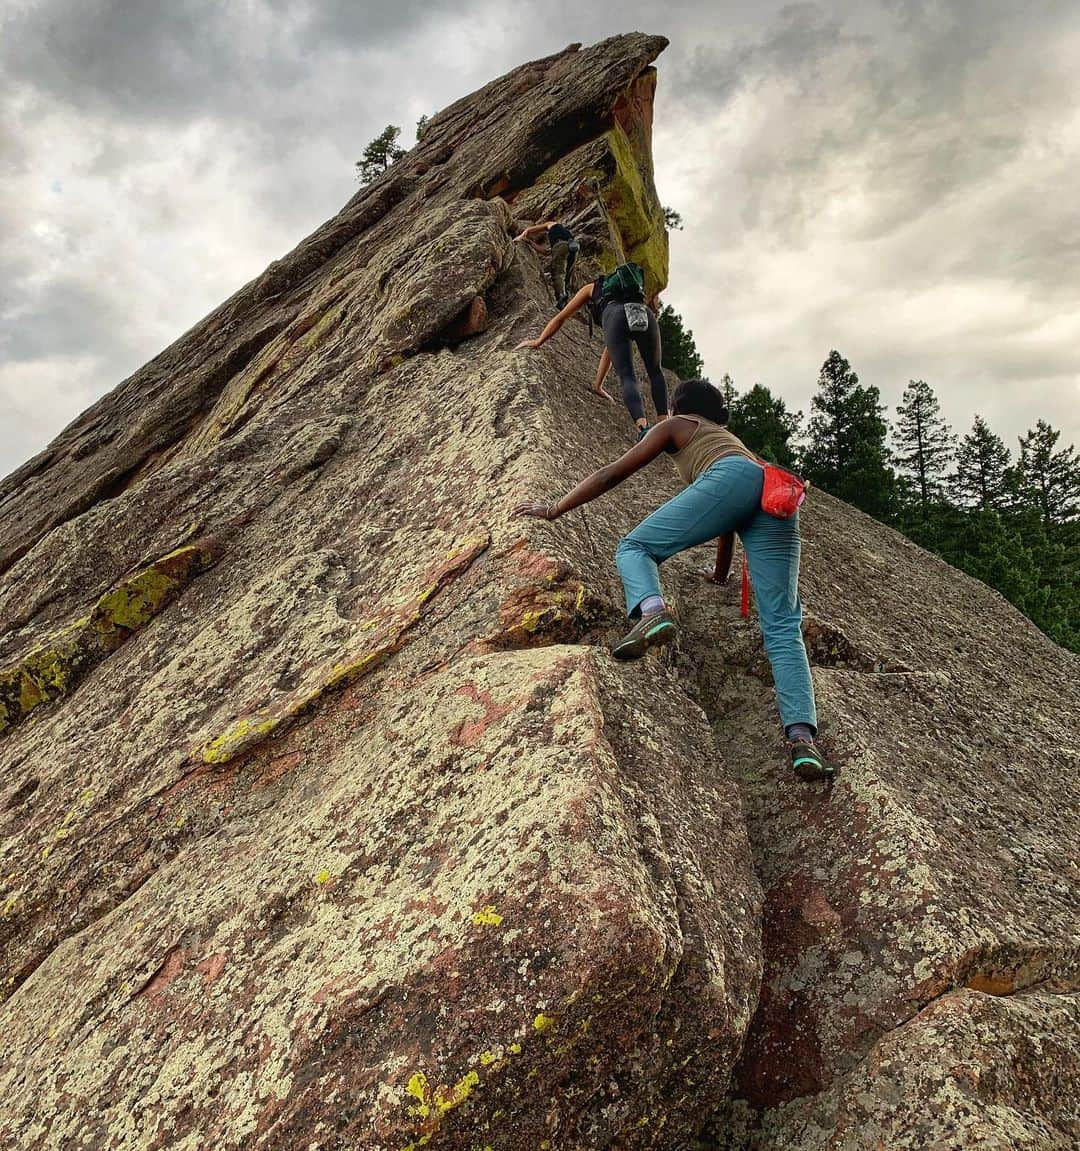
[708, 444]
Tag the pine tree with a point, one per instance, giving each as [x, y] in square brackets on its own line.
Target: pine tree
[672, 220]
[379, 154]
[983, 462]
[762, 421]
[925, 444]
[987, 546]
[1017, 555]
[1049, 480]
[847, 454]
[727, 386]
[679, 352]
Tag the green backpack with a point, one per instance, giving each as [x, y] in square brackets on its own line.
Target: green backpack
[626, 285]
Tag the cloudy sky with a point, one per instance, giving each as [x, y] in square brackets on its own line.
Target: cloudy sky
[897, 179]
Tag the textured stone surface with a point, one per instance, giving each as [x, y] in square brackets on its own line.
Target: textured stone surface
[972, 1070]
[938, 872]
[472, 904]
[340, 829]
[358, 838]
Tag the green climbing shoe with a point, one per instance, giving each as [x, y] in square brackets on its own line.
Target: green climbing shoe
[807, 762]
[650, 631]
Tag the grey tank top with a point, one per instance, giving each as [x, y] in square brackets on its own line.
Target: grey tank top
[709, 443]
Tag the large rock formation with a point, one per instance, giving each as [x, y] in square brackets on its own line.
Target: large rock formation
[329, 823]
[921, 915]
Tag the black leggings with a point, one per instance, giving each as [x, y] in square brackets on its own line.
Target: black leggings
[618, 337]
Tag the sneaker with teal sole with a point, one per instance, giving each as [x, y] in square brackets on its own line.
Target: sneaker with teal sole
[807, 762]
[650, 631]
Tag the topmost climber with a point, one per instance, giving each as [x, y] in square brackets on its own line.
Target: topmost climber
[564, 251]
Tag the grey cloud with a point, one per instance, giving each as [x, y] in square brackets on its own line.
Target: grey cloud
[910, 115]
[188, 57]
[323, 23]
[881, 177]
[136, 58]
[67, 317]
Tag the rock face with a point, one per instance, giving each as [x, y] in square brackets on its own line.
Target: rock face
[920, 926]
[329, 823]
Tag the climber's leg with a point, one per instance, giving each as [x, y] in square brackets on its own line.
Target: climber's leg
[718, 501]
[617, 340]
[772, 551]
[648, 344]
[574, 248]
[560, 252]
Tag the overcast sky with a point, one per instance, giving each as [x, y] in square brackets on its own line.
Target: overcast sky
[899, 180]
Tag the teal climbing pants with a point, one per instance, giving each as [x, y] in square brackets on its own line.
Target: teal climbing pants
[727, 497]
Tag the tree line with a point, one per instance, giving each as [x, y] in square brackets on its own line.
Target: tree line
[1012, 521]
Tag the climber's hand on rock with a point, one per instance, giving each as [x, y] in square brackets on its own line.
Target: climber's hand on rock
[709, 575]
[537, 509]
[602, 391]
[528, 344]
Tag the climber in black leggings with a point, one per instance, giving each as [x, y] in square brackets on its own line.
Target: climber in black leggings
[618, 351]
[613, 321]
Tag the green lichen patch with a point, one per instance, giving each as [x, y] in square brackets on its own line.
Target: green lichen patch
[135, 601]
[44, 673]
[54, 668]
[636, 213]
[390, 632]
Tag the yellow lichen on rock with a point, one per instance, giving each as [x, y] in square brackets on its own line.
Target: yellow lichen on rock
[418, 1088]
[242, 735]
[635, 213]
[55, 667]
[446, 1099]
[135, 601]
[340, 673]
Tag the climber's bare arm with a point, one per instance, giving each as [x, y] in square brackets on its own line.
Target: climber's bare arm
[725, 547]
[668, 436]
[560, 318]
[533, 230]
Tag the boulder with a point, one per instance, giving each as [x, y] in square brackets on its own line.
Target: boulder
[927, 897]
[348, 832]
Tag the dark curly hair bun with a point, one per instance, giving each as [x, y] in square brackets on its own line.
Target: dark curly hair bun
[700, 398]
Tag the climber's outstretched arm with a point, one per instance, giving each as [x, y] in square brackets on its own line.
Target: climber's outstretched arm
[725, 548]
[534, 230]
[560, 318]
[659, 439]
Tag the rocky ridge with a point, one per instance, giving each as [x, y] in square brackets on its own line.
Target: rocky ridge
[329, 823]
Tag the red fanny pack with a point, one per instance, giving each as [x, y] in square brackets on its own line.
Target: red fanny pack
[782, 493]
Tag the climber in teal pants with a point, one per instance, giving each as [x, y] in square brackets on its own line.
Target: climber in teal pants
[722, 497]
[726, 497]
